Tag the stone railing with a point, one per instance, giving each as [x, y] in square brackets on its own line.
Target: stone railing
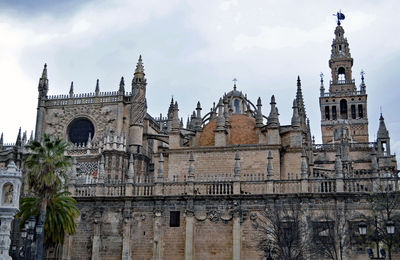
[239, 187]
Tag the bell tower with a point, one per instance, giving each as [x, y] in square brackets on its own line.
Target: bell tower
[343, 107]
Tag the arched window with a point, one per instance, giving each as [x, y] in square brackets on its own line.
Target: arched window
[353, 111]
[327, 116]
[236, 105]
[343, 109]
[334, 115]
[341, 74]
[360, 111]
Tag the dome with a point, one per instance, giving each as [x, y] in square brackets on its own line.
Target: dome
[242, 131]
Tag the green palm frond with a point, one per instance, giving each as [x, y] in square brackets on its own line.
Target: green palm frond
[60, 215]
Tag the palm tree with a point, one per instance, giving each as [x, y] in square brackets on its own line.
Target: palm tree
[46, 164]
[60, 216]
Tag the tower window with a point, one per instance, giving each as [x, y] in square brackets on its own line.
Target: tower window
[174, 218]
[343, 109]
[340, 47]
[327, 116]
[236, 105]
[360, 111]
[353, 111]
[334, 115]
[341, 74]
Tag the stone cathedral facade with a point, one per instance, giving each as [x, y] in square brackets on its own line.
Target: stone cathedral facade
[153, 188]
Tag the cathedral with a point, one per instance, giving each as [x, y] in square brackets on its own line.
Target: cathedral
[155, 188]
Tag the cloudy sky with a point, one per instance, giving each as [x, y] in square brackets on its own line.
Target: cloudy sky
[193, 49]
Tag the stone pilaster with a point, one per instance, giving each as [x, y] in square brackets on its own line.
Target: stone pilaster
[126, 232]
[189, 230]
[236, 234]
[96, 237]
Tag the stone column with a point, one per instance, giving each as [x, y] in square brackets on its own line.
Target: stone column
[189, 230]
[5, 241]
[236, 236]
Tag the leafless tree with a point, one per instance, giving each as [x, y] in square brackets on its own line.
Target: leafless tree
[330, 233]
[282, 232]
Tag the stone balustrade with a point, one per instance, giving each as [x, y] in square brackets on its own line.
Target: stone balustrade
[225, 187]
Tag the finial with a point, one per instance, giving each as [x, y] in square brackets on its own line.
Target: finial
[198, 105]
[259, 101]
[322, 78]
[298, 81]
[97, 87]
[234, 83]
[362, 73]
[44, 73]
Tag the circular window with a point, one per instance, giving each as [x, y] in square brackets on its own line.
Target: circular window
[79, 130]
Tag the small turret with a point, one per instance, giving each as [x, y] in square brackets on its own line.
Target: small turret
[175, 119]
[220, 117]
[139, 75]
[259, 116]
[383, 139]
[71, 90]
[273, 118]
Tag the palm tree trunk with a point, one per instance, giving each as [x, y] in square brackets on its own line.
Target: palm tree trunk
[40, 230]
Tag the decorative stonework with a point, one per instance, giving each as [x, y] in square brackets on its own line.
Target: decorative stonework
[10, 185]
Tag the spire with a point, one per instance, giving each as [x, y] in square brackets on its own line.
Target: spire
[362, 86]
[175, 125]
[139, 71]
[270, 168]
[1, 141]
[198, 110]
[43, 83]
[259, 116]
[71, 90]
[97, 90]
[171, 109]
[300, 100]
[122, 86]
[273, 118]
[24, 138]
[382, 131]
[18, 142]
[295, 117]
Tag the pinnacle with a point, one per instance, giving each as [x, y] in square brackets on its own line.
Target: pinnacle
[139, 67]
[97, 86]
[44, 73]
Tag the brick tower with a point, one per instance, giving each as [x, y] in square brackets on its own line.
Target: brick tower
[343, 108]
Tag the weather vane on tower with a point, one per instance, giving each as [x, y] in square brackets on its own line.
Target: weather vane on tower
[340, 16]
